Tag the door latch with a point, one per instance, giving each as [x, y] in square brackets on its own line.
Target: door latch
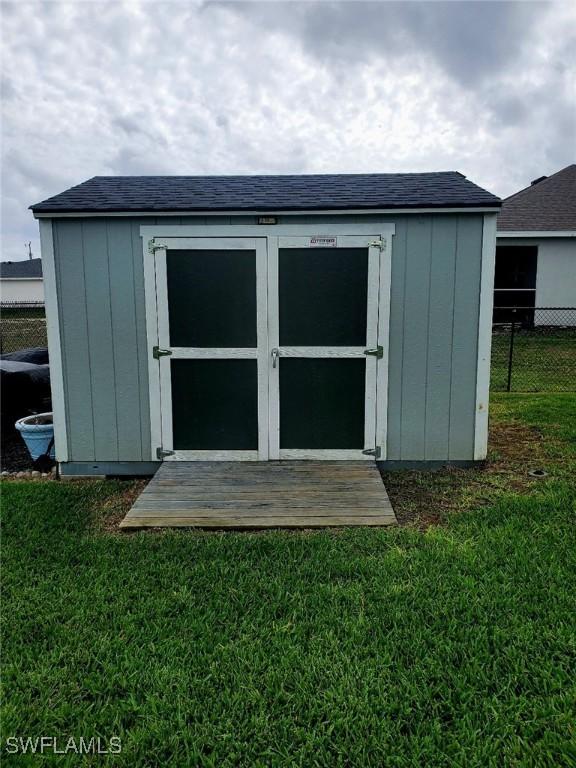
[158, 352]
[376, 452]
[275, 356]
[377, 352]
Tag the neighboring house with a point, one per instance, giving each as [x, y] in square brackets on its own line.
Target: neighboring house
[269, 317]
[21, 280]
[536, 247]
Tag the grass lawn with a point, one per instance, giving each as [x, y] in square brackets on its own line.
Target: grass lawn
[445, 644]
[20, 329]
[544, 360]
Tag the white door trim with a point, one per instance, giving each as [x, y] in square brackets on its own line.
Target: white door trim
[372, 363]
[164, 237]
[160, 369]
[167, 442]
[379, 247]
[190, 353]
[324, 455]
[151, 303]
[273, 343]
[384, 303]
[484, 337]
[343, 228]
[263, 346]
[360, 240]
[322, 351]
[214, 243]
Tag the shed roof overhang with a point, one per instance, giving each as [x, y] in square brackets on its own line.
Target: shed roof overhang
[535, 234]
[274, 212]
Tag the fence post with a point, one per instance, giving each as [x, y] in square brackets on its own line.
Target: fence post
[511, 351]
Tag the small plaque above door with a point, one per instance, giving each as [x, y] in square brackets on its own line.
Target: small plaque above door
[322, 242]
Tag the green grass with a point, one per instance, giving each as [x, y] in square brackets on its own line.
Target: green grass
[20, 329]
[453, 647]
[543, 361]
[553, 415]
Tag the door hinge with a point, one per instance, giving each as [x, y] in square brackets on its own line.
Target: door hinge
[153, 246]
[161, 453]
[158, 352]
[380, 244]
[376, 352]
[376, 452]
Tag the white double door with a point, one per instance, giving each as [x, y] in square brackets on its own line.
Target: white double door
[270, 347]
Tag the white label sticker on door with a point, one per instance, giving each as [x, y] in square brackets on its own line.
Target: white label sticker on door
[322, 242]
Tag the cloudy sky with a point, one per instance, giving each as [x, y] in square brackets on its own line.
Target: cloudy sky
[91, 88]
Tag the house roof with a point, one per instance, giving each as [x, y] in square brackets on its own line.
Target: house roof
[548, 204]
[18, 269]
[104, 194]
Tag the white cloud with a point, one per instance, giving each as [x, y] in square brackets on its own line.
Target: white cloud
[146, 88]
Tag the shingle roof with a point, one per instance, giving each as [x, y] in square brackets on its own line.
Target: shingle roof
[269, 193]
[15, 269]
[548, 205]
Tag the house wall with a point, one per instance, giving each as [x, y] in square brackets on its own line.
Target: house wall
[556, 273]
[436, 263]
[14, 289]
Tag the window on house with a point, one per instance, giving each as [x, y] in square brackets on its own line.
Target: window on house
[515, 283]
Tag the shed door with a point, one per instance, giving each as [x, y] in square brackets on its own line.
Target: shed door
[323, 297]
[211, 297]
[268, 347]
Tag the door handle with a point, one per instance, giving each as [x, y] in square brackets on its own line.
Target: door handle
[275, 356]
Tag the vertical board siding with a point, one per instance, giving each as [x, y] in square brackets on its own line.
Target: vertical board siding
[465, 336]
[103, 330]
[69, 261]
[415, 325]
[436, 262]
[100, 339]
[141, 360]
[396, 348]
[440, 324]
[125, 329]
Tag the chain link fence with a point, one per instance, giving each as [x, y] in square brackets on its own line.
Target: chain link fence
[22, 325]
[534, 349]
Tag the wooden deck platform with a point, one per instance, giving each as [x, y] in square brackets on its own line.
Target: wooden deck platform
[277, 494]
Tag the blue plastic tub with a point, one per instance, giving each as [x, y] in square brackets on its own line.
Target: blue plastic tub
[37, 431]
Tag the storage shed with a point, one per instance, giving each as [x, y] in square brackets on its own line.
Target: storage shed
[269, 317]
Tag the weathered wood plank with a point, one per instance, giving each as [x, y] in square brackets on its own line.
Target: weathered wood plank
[187, 492]
[290, 494]
[271, 486]
[257, 510]
[257, 502]
[249, 468]
[221, 521]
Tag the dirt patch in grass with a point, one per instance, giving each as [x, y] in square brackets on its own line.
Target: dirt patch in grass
[109, 513]
[422, 499]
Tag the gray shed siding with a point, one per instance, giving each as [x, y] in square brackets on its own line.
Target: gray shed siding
[435, 296]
